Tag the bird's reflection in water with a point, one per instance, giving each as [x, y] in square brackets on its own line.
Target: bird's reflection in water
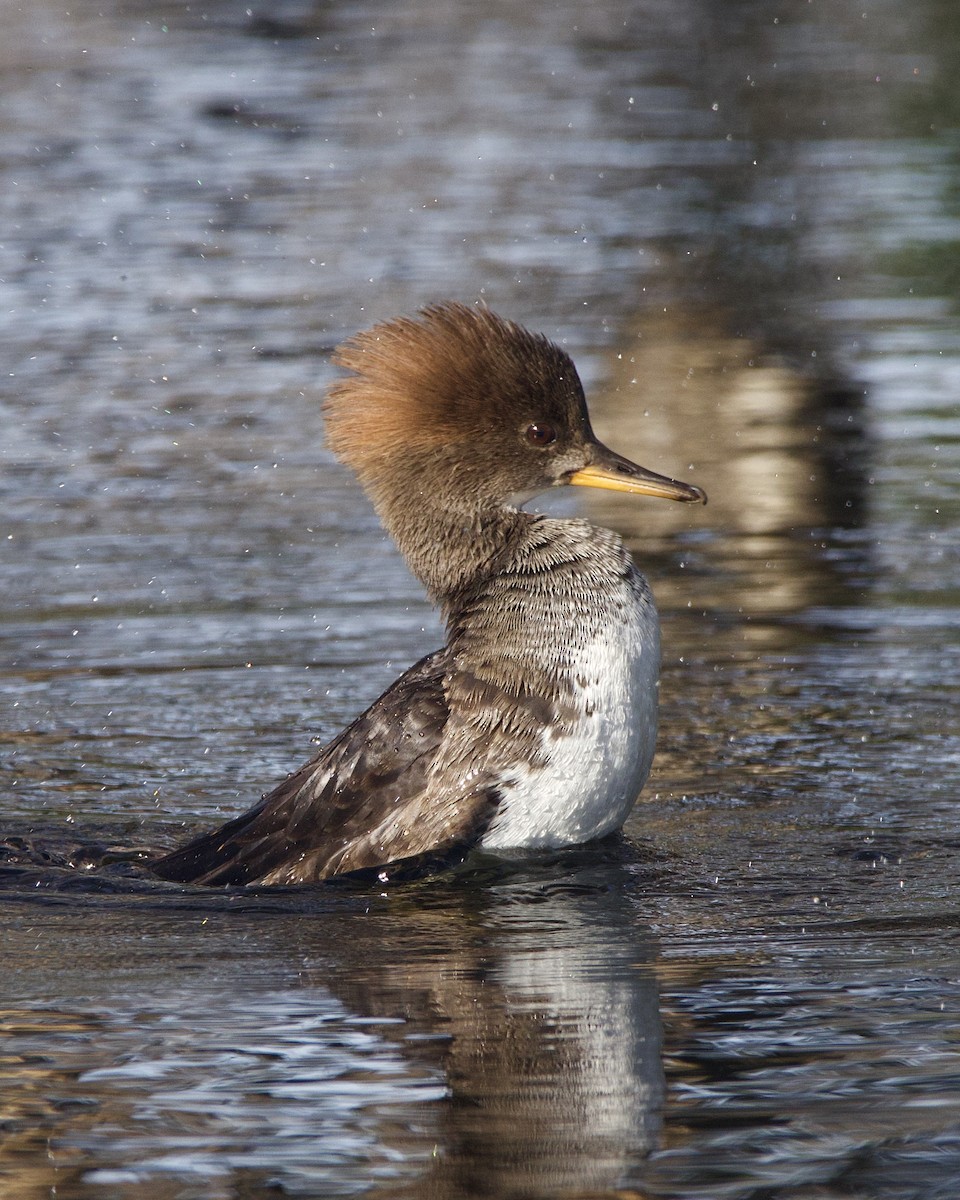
[538, 1000]
[273, 1017]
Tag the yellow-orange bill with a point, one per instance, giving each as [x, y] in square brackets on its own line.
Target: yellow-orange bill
[638, 481]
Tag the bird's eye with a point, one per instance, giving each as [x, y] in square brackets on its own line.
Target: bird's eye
[541, 434]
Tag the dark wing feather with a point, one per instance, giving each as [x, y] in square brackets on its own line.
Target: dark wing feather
[363, 801]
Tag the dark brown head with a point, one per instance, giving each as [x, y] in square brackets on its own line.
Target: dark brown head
[473, 410]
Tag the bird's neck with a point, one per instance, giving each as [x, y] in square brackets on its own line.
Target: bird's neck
[446, 544]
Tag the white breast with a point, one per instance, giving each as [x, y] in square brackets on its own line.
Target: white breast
[592, 775]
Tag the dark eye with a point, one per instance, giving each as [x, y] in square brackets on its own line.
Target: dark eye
[541, 434]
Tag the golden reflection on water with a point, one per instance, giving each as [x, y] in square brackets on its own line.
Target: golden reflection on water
[688, 400]
[38, 1099]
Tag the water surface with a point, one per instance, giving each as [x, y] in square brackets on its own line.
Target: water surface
[743, 224]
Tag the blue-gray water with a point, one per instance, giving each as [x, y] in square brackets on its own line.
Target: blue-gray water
[743, 222]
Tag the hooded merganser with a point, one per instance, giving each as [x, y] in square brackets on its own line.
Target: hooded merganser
[534, 726]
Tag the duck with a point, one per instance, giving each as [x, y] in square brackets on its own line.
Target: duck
[533, 727]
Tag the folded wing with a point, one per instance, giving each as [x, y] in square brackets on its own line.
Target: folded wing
[370, 797]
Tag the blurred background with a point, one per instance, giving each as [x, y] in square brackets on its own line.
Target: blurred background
[742, 220]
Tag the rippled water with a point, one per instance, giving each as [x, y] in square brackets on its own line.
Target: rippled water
[744, 225]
